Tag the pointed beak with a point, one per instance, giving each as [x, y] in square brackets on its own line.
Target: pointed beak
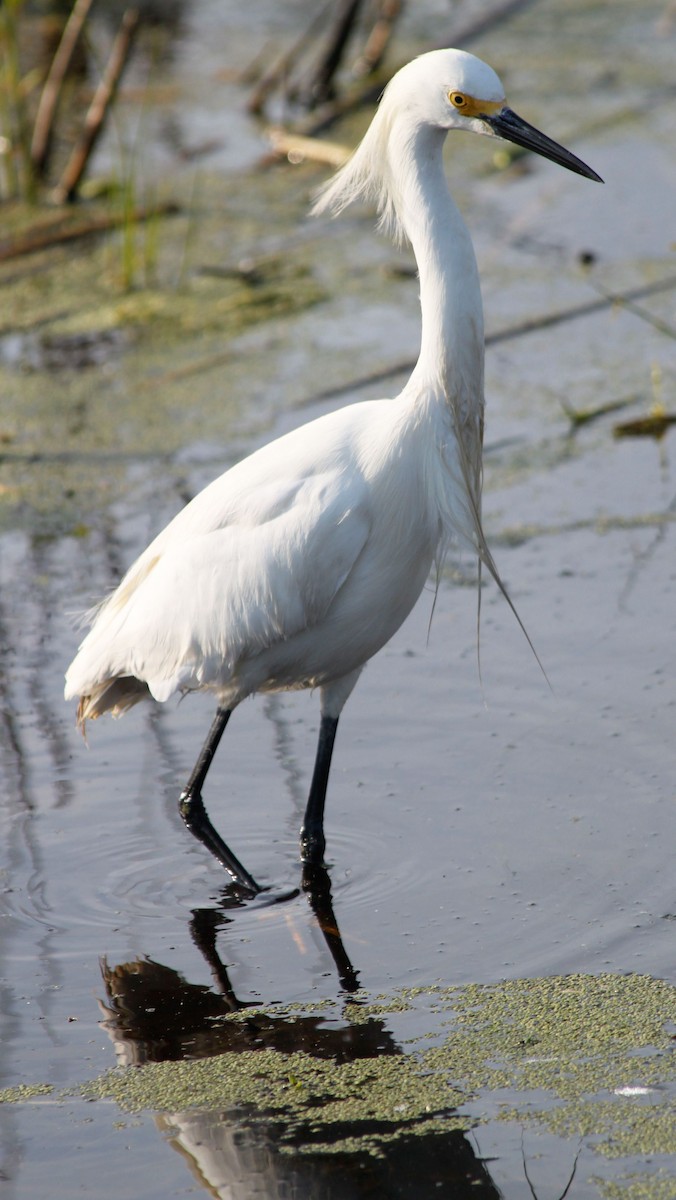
[506, 124]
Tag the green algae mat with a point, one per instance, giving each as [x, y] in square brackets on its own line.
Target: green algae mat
[585, 1057]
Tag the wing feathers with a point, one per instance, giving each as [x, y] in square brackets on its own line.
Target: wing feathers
[190, 610]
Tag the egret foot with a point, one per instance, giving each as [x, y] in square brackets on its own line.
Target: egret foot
[196, 819]
[234, 896]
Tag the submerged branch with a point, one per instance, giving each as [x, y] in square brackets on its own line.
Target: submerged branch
[518, 535]
[57, 233]
[584, 416]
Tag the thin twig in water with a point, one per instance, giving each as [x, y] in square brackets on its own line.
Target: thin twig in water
[643, 557]
[584, 416]
[628, 303]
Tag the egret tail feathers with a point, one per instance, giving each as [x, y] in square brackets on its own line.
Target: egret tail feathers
[112, 695]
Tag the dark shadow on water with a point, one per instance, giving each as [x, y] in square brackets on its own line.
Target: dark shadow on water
[153, 1014]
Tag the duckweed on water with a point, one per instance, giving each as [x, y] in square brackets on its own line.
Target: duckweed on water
[25, 1091]
[562, 1047]
[637, 1187]
[212, 303]
[333, 1104]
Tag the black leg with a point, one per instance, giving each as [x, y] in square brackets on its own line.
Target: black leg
[191, 808]
[312, 840]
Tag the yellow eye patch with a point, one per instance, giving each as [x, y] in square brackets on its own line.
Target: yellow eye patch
[469, 106]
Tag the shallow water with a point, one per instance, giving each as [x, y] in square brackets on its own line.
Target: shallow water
[478, 829]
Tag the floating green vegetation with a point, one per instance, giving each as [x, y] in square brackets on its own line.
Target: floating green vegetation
[222, 302]
[584, 1055]
[334, 1106]
[23, 1092]
[637, 1187]
[226, 301]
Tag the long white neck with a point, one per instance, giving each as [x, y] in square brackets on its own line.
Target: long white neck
[452, 341]
[399, 165]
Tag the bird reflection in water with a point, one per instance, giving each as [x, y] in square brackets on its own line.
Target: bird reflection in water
[152, 1014]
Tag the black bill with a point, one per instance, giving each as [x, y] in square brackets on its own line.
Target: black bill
[514, 129]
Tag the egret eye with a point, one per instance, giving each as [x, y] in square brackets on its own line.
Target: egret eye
[457, 99]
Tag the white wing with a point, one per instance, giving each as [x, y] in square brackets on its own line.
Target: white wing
[232, 575]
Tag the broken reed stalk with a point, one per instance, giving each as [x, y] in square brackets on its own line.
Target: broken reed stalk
[51, 92]
[298, 149]
[98, 109]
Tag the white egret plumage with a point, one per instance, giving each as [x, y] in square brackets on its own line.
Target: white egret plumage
[297, 565]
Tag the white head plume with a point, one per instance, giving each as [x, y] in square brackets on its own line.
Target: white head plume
[416, 98]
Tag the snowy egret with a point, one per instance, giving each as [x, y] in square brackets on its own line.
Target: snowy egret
[297, 565]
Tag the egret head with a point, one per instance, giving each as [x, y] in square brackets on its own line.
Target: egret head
[435, 93]
[446, 89]
[451, 89]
